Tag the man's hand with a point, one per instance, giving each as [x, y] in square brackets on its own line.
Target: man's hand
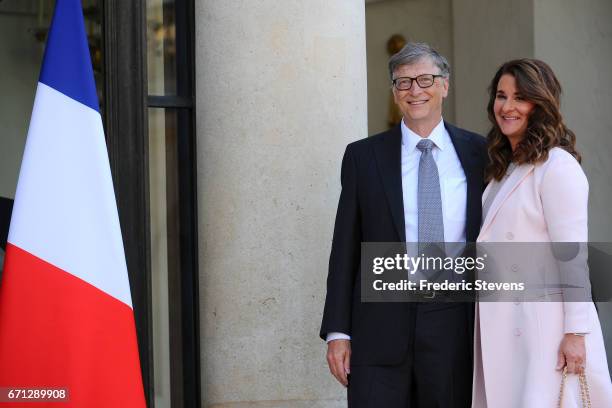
[339, 359]
[572, 353]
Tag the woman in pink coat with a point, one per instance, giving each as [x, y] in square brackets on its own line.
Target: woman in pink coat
[537, 192]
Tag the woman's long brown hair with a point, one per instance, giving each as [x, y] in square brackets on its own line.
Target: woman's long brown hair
[536, 83]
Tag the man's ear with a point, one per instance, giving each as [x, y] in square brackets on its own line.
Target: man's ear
[394, 92]
[445, 85]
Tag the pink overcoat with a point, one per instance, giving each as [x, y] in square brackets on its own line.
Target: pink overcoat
[516, 343]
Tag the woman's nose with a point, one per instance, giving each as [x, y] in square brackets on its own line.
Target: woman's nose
[507, 106]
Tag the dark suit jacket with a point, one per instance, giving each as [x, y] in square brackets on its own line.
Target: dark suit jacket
[371, 209]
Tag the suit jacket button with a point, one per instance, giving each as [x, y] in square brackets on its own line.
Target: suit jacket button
[518, 332]
[509, 236]
[514, 268]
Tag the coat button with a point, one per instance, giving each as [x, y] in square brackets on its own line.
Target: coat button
[518, 332]
[516, 302]
[509, 236]
[514, 268]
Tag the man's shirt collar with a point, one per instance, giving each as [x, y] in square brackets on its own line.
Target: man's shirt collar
[437, 136]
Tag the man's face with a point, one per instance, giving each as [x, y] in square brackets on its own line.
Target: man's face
[421, 105]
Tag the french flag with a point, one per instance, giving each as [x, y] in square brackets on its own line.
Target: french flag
[66, 317]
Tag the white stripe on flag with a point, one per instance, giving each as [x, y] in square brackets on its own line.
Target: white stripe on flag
[65, 211]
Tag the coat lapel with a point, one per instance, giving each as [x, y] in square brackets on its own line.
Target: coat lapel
[472, 167]
[389, 160]
[515, 178]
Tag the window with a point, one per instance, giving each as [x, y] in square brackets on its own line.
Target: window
[150, 131]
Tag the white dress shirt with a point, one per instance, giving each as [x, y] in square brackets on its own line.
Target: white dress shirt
[453, 188]
[453, 185]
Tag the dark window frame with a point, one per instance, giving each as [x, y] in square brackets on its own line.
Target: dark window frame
[127, 102]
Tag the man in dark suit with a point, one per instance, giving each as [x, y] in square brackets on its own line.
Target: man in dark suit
[420, 181]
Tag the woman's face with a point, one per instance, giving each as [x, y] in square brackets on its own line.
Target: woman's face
[511, 110]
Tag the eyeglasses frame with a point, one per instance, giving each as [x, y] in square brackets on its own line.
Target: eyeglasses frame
[415, 79]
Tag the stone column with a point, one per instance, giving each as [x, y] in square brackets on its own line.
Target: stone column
[281, 89]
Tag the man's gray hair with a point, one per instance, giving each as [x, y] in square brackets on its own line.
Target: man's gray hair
[413, 53]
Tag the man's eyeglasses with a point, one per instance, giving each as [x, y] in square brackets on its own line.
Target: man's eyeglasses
[424, 81]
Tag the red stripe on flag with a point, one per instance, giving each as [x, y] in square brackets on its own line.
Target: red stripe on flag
[58, 331]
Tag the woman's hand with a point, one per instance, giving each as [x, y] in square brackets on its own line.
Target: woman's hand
[572, 353]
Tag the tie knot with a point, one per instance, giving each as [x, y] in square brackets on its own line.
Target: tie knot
[425, 145]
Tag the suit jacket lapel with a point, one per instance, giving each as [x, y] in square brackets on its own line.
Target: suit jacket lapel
[389, 160]
[515, 178]
[468, 156]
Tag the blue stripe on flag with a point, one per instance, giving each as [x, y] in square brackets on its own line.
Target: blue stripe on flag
[67, 62]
